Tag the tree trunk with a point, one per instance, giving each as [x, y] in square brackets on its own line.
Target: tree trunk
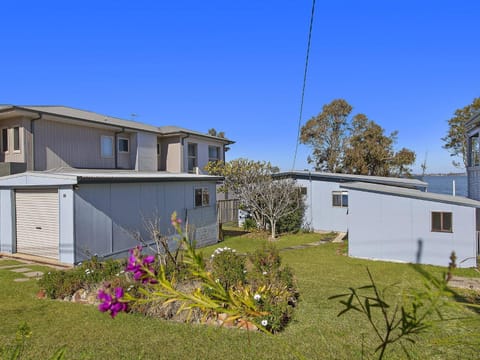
[273, 225]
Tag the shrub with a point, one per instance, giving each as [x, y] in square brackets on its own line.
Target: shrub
[228, 267]
[63, 283]
[249, 224]
[292, 222]
[281, 294]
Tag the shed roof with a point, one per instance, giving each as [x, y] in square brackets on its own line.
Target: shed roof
[78, 114]
[343, 178]
[67, 176]
[411, 193]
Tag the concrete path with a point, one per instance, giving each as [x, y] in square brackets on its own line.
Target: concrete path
[25, 273]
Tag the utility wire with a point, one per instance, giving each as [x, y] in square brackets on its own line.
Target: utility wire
[304, 83]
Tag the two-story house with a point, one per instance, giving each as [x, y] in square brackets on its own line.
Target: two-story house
[38, 138]
[473, 157]
[77, 183]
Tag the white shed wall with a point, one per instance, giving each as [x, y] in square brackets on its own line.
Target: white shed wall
[320, 214]
[395, 228]
[6, 221]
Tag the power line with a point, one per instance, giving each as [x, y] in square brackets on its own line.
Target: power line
[304, 83]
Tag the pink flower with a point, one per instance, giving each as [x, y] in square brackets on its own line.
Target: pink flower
[140, 266]
[111, 302]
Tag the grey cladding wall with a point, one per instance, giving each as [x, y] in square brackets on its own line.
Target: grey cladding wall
[106, 215]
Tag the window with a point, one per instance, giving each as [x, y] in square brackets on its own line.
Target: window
[303, 190]
[192, 157]
[106, 143]
[474, 151]
[441, 221]
[213, 153]
[158, 149]
[5, 140]
[16, 138]
[123, 145]
[340, 198]
[202, 197]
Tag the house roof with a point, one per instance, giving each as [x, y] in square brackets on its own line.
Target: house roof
[473, 121]
[69, 176]
[343, 178]
[84, 115]
[411, 193]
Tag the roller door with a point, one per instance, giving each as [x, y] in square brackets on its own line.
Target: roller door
[37, 224]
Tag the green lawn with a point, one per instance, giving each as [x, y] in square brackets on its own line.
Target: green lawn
[316, 332]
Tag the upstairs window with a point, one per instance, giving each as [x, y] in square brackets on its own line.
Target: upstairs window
[123, 145]
[192, 157]
[16, 138]
[106, 145]
[213, 153]
[442, 221]
[340, 199]
[5, 140]
[202, 197]
[474, 158]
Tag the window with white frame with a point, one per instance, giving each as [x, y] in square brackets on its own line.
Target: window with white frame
[213, 153]
[442, 221]
[340, 199]
[4, 140]
[106, 146]
[202, 197]
[192, 157]
[123, 145]
[16, 138]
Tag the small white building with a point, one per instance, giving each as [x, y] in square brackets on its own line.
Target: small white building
[327, 202]
[68, 215]
[398, 224]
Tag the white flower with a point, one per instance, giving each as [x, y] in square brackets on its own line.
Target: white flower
[217, 280]
[257, 297]
[264, 273]
[264, 323]
[233, 250]
[244, 271]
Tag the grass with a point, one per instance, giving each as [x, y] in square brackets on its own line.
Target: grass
[315, 333]
[249, 242]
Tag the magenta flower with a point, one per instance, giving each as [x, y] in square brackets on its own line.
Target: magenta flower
[111, 302]
[141, 266]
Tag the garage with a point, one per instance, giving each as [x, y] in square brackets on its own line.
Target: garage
[70, 215]
[36, 222]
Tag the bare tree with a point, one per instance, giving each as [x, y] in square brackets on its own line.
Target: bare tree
[274, 199]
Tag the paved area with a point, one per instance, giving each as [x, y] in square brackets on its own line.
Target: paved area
[24, 273]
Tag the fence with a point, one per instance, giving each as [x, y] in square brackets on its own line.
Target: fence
[227, 211]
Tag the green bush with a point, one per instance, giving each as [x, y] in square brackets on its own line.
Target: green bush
[281, 294]
[228, 267]
[249, 224]
[63, 283]
[292, 222]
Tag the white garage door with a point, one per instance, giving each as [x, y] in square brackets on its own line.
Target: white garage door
[37, 222]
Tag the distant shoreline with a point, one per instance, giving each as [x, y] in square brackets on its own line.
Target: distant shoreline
[439, 174]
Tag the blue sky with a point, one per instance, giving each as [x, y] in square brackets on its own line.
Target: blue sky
[238, 66]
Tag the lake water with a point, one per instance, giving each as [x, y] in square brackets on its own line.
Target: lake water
[444, 184]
